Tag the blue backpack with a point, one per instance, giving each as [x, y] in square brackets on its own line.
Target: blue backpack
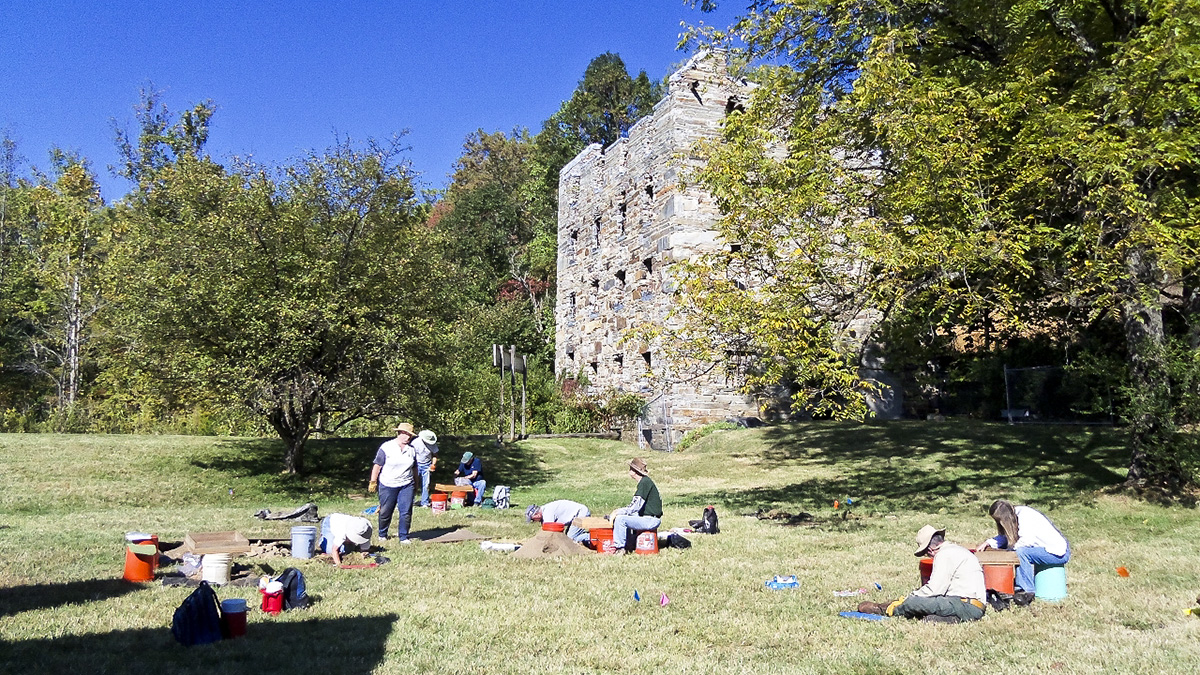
[198, 620]
[295, 594]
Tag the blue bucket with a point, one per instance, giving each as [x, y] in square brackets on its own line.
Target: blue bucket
[303, 537]
[1050, 582]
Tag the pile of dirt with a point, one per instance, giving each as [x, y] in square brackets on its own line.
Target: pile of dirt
[549, 545]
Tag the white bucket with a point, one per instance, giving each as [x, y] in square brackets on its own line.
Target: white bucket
[214, 567]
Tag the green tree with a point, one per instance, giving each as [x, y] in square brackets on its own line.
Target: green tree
[1019, 165]
[314, 297]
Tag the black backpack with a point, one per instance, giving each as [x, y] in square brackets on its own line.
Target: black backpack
[707, 523]
[198, 620]
[295, 595]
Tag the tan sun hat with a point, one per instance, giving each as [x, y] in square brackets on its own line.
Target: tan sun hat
[361, 534]
[406, 428]
[639, 466]
[924, 535]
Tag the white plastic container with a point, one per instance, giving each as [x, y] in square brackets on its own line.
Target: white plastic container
[214, 567]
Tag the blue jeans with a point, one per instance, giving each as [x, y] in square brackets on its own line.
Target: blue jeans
[1035, 555]
[480, 486]
[578, 534]
[423, 473]
[620, 523]
[399, 499]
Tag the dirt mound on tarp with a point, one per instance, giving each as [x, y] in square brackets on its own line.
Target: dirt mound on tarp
[549, 545]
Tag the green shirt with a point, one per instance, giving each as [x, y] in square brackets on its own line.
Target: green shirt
[648, 491]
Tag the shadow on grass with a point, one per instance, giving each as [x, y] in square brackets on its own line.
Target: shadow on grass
[347, 646]
[336, 466]
[921, 466]
[16, 599]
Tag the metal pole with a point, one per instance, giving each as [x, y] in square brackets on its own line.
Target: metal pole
[1007, 396]
[512, 411]
[524, 381]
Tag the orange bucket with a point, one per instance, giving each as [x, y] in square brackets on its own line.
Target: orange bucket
[998, 577]
[141, 561]
[926, 567]
[438, 499]
[553, 527]
[647, 542]
[602, 540]
[457, 499]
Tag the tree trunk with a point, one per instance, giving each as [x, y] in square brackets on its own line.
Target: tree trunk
[1143, 323]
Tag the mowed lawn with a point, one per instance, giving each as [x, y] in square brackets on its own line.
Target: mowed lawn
[66, 501]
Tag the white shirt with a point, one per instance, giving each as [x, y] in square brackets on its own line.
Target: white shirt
[425, 451]
[397, 462]
[564, 511]
[340, 524]
[1035, 529]
[956, 573]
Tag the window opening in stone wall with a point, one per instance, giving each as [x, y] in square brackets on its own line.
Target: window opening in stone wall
[595, 367]
[854, 334]
[620, 275]
[735, 248]
[646, 358]
[649, 264]
[595, 284]
[572, 303]
[650, 191]
[619, 362]
[596, 225]
[621, 216]
[571, 352]
[734, 105]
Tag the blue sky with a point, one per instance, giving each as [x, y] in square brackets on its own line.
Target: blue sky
[288, 76]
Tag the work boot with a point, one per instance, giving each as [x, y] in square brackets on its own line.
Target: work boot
[868, 607]
[934, 618]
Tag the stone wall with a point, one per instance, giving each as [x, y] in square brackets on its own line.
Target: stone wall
[623, 218]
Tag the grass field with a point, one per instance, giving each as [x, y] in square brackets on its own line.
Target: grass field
[65, 502]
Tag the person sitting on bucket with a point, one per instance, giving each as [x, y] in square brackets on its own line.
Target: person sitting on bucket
[341, 534]
[470, 469]
[561, 511]
[643, 513]
[955, 591]
[1032, 536]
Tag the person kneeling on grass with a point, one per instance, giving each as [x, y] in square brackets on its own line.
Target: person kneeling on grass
[342, 534]
[562, 511]
[955, 591]
[643, 513]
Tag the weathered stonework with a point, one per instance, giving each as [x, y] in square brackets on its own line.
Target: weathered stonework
[623, 218]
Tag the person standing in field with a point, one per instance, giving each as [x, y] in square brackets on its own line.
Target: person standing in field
[1031, 535]
[426, 448]
[392, 475]
[644, 511]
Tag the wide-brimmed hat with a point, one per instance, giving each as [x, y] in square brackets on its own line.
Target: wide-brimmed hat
[362, 534]
[467, 456]
[428, 437]
[531, 512]
[406, 428]
[639, 466]
[924, 535]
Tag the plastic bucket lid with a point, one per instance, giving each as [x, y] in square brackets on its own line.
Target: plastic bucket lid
[233, 605]
[138, 536]
[274, 587]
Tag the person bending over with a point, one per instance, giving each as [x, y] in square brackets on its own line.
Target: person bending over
[562, 511]
[341, 534]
